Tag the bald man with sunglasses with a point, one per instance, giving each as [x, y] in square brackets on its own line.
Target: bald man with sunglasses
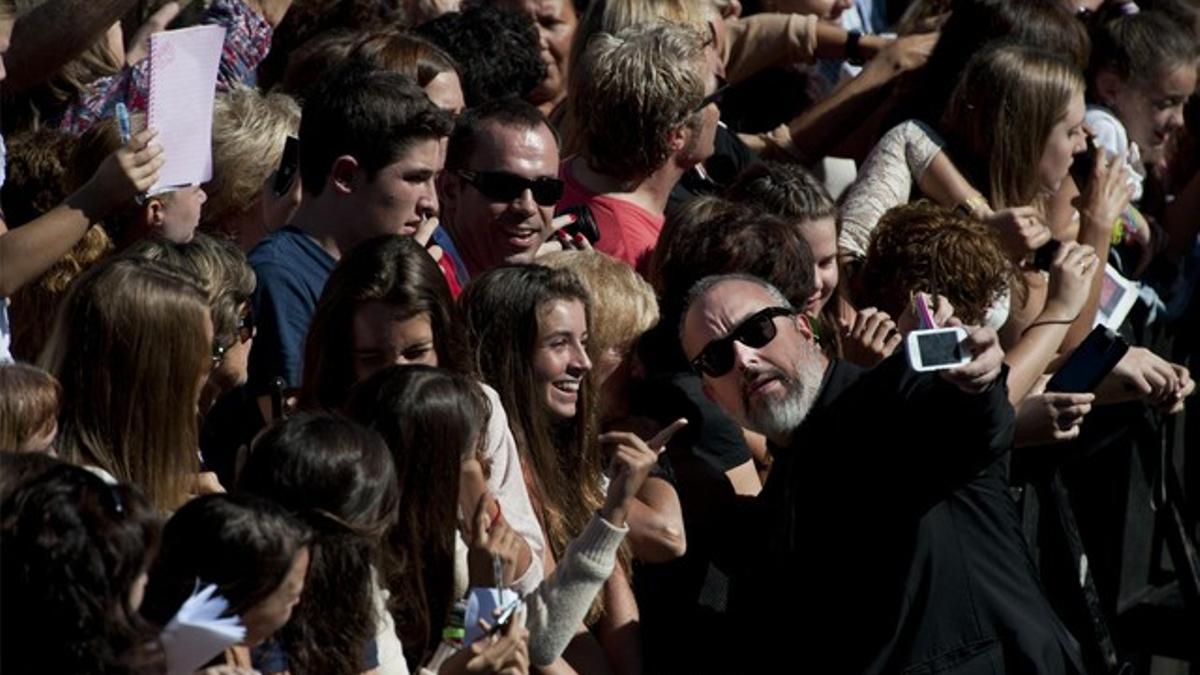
[884, 539]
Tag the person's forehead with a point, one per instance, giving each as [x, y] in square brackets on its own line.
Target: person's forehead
[722, 307]
[516, 147]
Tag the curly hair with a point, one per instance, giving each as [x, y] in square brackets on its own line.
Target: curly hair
[38, 180]
[712, 236]
[499, 51]
[926, 247]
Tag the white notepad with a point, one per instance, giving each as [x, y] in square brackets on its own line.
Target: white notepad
[183, 82]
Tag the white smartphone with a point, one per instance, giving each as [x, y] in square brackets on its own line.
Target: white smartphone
[936, 349]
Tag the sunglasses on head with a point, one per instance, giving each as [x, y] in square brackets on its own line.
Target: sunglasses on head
[758, 330]
[506, 187]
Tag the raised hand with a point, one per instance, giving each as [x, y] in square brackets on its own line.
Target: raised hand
[632, 460]
[1071, 274]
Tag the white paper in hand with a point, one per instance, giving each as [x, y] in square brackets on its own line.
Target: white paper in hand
[481, 604]
[183, 82]
[198, 633]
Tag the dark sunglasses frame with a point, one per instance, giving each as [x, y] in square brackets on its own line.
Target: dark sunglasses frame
[756, 330]
[245, 328]
[716, 96]
[503, 186]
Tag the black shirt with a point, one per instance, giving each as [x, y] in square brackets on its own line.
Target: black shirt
[888, 540]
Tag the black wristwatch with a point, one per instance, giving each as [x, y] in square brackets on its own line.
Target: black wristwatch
[853, 52]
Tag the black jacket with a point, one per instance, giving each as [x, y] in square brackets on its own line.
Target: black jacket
[889, 543]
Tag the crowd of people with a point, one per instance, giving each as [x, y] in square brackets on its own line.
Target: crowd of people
[611, 306]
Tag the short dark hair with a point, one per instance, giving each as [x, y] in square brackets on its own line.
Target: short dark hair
[371, 115]
[509, 112]
[499, 51]
[243, 544]
[711, 236]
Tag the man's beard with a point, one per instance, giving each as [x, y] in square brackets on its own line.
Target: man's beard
[778, 416]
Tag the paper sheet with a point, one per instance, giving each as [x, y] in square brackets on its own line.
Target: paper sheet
[198, 633]
[183, 81]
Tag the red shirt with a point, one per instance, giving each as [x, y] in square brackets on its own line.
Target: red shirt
[628, 232]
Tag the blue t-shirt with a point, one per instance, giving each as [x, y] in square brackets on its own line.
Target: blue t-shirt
[292, 270]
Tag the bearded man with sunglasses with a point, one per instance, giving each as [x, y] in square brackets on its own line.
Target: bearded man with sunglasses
[885, 539]
[499, 187]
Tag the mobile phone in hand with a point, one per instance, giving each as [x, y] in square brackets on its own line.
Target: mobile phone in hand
[288, 165]
[585, 222]
[1044, 256]
[1091, 361]
[936, 349]
[1083, 165]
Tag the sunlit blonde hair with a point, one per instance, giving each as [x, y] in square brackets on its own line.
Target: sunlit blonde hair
[1001, 114]
[249, 131]
[613, 16]
[623, 302]
[636, 87]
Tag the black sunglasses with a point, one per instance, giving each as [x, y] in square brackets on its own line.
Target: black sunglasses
[505, 187]
[758, 330]
[246, 324]
[715, 97]
[245, 328]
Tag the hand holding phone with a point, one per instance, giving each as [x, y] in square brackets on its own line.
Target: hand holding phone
[1090, 363]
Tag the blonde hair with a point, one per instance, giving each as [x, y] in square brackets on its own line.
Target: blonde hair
[29, 399]
[611, 17]
[130, 350]
[1001, 114]
[636, 87]
[623, 303]
[249, 131]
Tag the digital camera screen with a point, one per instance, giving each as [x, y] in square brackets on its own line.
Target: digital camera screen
[939, 348]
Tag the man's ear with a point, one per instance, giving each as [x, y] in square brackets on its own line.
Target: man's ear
[679, 137]
[153, 214]
[344, 175]
[1108, 85]
[804, 325]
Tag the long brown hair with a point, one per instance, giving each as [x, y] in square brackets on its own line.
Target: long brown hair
[431, 419]
[1000, 115]
[390, 269]
[563, 460]
[338, 477]
[129, 347]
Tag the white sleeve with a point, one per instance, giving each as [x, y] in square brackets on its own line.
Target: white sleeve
[885, 180]
[507, 485]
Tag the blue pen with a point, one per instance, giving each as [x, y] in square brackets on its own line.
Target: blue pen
[123, 123]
